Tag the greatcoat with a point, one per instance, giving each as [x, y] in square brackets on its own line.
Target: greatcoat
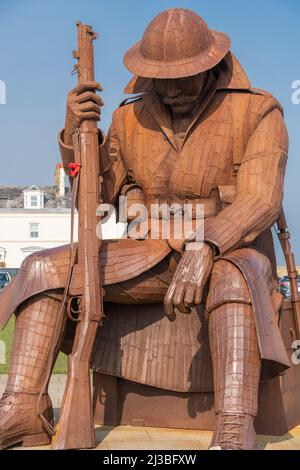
[233, 153]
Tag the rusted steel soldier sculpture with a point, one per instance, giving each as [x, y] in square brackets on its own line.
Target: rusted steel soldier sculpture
[197, 133]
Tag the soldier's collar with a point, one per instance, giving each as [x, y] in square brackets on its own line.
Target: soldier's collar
[231, 76]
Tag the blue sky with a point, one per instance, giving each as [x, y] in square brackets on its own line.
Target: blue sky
[36, 42]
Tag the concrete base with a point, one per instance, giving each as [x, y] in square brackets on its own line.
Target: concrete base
[120, 402]
[143, 438]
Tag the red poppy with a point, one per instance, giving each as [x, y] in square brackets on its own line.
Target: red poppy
[74, 169]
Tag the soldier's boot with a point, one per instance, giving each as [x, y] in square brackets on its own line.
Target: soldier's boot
[36, 330]
[236, 366]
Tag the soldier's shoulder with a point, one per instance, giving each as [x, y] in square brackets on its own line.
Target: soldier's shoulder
[126, 107]
[265, 101]
[251, 91]
[258, 100]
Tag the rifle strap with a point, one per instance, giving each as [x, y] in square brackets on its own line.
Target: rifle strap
[48, 426]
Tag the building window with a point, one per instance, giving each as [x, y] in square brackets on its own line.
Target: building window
[33, 201]
[33, 198]
[34, 230]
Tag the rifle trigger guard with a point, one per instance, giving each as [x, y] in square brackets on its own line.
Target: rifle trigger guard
[73, 313]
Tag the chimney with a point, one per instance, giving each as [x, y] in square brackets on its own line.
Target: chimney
[59, 180]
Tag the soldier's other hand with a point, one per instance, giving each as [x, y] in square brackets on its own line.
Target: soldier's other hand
[83, 103]
[186, 288]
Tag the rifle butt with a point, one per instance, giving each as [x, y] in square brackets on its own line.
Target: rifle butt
[76, 430]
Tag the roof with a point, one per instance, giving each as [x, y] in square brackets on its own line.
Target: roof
[33, 188]
[11, 197]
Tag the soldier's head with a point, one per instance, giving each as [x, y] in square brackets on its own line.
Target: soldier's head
[176, 51]
[180, 94]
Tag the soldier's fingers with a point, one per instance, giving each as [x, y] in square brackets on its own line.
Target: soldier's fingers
[189, 295]
[198, 296]
[178, 301]
[86, 86]
[168, 302]
[169, 309]
[186, 311]
[183, 308]
[89, 96]
[172, 316]
[88, 106]
[89, 115]
[179, 294]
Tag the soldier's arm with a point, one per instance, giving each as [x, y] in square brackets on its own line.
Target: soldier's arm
[259, 187]
[111, 164]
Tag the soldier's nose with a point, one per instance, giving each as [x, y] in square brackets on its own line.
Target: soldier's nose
[173, 89]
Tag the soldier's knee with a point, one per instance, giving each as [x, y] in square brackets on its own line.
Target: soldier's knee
[227, 285]
[41, 271]
[43, 256]
[29, 261]
[47, 266]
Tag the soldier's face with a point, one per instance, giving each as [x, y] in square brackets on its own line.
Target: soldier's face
[180, 94]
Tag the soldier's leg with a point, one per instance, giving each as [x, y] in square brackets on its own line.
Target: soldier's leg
[36, 331]
[35, 334]
[235, 357]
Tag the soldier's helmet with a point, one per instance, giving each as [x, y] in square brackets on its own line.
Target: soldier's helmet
[176, 44]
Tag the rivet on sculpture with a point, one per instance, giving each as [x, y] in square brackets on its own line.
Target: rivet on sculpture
[197, 133]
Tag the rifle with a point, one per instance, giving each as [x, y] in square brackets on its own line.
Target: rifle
[284, 238]
[75, 428]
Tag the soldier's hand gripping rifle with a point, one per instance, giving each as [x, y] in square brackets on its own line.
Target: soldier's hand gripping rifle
[75, 428]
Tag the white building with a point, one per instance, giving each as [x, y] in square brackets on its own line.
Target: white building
[32, 225]
[31, 221]
[24, 231]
